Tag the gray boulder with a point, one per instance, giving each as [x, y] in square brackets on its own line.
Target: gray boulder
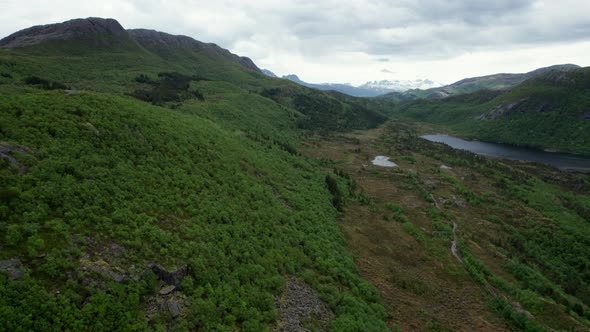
[13, 268]
[175, 308]
[170, 277]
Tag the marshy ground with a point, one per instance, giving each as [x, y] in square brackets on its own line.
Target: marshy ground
[402, 234]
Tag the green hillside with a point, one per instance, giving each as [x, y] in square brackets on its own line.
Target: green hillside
[126, 167]
[494, 82]
[549, 111]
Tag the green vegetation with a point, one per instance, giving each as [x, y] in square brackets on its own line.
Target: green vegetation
[213, 181]
[44, 84]
[325, 113]
[398, 214]
[547, 252]
[549, 111]
[171, 188]
[172, 87]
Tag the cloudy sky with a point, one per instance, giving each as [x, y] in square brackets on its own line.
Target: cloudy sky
[353, 40]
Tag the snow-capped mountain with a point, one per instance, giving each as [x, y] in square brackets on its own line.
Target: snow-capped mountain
[400, 85]
[369, 89]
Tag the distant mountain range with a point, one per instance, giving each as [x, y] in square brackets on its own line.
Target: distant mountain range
[369, 89]
[406, 90]
[468, 85]
[387, 86]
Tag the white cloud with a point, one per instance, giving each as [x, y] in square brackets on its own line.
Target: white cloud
[336, 41]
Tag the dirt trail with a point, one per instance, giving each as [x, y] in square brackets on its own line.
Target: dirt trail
[454, 243]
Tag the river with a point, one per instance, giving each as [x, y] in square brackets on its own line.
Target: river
[496, 150]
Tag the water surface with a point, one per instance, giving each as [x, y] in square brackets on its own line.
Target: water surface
[383, 161]
[506, 151]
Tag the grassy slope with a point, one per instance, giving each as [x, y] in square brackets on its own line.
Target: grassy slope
[547, 112]
[114, 70]
[215, 185]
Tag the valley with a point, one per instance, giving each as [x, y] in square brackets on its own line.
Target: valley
[161, 183]
[403, 226]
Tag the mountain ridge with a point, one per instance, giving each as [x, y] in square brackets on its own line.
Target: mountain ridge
[91, 30]
[498, 81]
[153, 39]
[368, 89]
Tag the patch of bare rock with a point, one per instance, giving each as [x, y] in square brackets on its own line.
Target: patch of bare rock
[301, 309]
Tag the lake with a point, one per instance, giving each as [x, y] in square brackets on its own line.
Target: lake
[506, 151]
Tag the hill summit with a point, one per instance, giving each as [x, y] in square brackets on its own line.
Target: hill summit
[82, 28]
[107, 32]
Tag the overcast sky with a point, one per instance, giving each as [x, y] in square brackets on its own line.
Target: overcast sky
[353, 40]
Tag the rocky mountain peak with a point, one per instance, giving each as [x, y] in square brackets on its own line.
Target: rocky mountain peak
[85, 28]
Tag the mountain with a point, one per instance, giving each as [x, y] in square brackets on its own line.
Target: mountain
[343, 88]
[268, 73]
[550, 110]
[468, 85]
[161, 43]
[96, 31]
[386, 86]
[116, 50]
[155, 182]
[369, 89]
[497, 81]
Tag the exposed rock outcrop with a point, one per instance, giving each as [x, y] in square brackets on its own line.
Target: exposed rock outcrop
[174, 308]
[174, 303]
[299, 306]
[7, 149]
[167, 289]
[13, 268]
[501, 110]
[103, 269]
[170, 277]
